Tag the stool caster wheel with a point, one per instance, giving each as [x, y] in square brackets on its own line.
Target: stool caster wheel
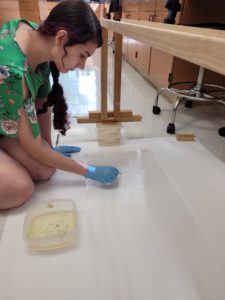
[221, 131]
[188, 104]
[171, 128]
[156, 110]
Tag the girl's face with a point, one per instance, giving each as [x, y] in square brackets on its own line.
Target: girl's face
[74, 57]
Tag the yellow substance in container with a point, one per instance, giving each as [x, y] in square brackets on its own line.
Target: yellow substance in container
[52, 224]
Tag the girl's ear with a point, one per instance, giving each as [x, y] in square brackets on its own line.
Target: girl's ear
[61, 37]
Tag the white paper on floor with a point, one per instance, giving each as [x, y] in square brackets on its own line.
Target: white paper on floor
[156, 234]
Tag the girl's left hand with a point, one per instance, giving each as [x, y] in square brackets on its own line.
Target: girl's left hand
[66, 150]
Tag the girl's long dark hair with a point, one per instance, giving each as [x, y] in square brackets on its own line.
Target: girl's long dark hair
[79, 20]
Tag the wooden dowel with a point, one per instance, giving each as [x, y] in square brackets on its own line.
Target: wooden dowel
[104, 71]
[117, 73]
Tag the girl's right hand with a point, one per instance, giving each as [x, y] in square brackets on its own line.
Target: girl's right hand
[103, 174]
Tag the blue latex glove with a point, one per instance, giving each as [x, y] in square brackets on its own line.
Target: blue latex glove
[103, 174]
[66, 150]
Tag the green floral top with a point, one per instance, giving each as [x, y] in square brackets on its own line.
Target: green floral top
[13, 65]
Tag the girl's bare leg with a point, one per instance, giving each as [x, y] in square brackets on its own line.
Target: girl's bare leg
[16, 185]
[36, 170]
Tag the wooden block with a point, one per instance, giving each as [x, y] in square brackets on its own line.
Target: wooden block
[185, 137]
[28, 5]
[87, 119]
[110, 114]
[31, 15]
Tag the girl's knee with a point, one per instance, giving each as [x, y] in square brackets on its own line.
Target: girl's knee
[26, 189]
[43, 173]
[16, 194]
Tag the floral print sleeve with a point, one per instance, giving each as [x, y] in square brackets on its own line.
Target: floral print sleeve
[13, 67]
[11, 101]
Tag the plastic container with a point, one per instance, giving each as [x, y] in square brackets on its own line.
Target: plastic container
[51, 224]
[109, 133]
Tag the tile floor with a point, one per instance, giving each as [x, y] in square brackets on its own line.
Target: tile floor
[82, 90]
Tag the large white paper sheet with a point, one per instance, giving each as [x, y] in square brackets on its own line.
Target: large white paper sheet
[157, 235]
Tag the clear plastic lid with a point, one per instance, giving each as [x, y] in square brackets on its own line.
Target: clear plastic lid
[51, 224]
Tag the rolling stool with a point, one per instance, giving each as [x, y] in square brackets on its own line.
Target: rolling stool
[188, 91]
